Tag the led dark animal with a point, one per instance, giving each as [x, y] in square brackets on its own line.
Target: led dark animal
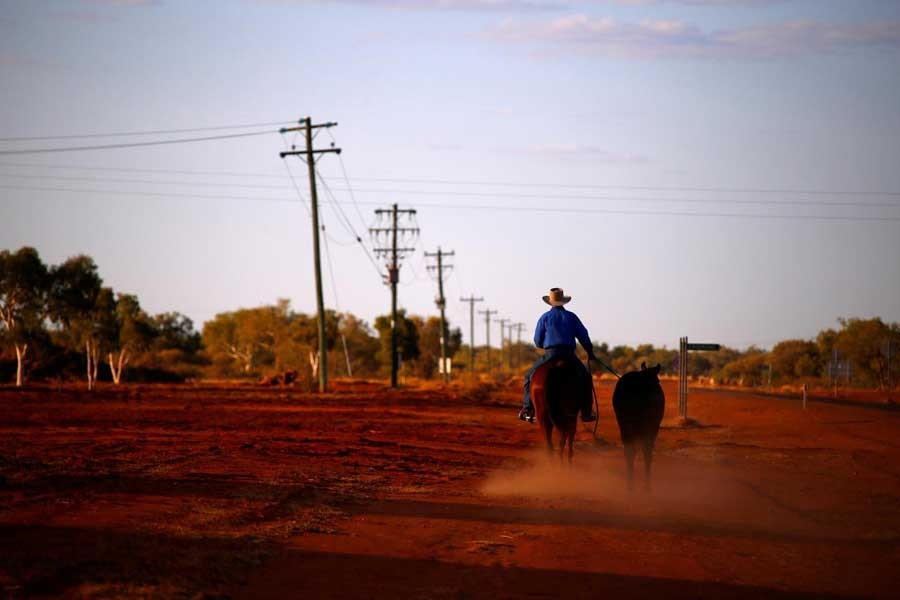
[639, 404]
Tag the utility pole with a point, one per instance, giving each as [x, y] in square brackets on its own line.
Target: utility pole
[309, 154]
[471, 300]
[441, 303]
[519, 327]
[487, 324]
[394, 255]
[503, 323]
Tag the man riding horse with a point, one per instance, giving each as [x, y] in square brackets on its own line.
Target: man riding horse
[556, 332]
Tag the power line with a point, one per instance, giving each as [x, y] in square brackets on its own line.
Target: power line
[484, 207]
[296, 187]
[626, 199]
[339, 211]
[137, 170]
[464, 194]
[149, 194]
[337, 304]
[135, 144]
[347, 182]
[351, 230]
[736, 190]
[145, 132]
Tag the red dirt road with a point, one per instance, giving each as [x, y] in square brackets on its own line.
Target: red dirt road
[162, 491]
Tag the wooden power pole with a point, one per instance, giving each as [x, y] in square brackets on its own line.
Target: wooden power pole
[309, 155]
[471, 300]
[503, 323]
[441, 303]
[487, 325]
[519, 327]
[394, 255]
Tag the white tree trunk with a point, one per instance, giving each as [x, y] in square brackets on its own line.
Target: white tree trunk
[116, 367]
[95, 362]
[91, 353]
[314, 363]
[20, 359]
[87, 353]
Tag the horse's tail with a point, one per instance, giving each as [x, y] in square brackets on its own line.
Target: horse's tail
[562, 395]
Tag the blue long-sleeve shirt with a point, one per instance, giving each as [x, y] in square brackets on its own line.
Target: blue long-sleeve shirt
[560, 327]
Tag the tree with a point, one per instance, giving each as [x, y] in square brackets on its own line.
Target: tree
[130, 332]
[794, 358]
[748, 369]
[174, 331]
[23, 288]
[228, 341]
[861, 342]
[362, 345]
[78, 303]
[407, 338]
[271, 336]
[430, 344]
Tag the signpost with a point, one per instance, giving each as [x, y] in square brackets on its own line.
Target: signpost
[705, 347]
[889, 350]
[683, 348]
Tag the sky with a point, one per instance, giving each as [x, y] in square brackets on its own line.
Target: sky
[726, 170]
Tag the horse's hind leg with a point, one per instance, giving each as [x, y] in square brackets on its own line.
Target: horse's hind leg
[571, 438]
[630, 451]
[648, 460]
[548, 433]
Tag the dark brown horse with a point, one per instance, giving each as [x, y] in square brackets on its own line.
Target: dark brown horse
[557, 390]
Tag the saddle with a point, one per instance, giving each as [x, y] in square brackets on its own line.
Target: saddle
[568, 366]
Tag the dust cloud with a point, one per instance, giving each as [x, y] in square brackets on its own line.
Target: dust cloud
[682, 490]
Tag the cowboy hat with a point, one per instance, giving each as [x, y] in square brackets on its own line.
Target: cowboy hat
[557, 297]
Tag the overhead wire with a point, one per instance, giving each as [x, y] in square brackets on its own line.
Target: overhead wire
[352, 230]
[142, 193]
[350, 191]
[347, 183]
[334, 203]
[562, 185]
[143, 132]
[337, 304]
[134, 144]
[489, 207]
[338, 210]
[296, 187]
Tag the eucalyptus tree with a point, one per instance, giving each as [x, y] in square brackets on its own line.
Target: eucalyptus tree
[23, 300]
[130, 332]
[80, 306]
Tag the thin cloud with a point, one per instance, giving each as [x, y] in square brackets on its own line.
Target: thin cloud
[83, 17]
[594, 152]
[454, 5]
[126, 2]
[675, 38]
[10, 59]
[693, 2]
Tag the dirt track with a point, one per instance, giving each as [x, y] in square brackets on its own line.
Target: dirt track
[249, 492]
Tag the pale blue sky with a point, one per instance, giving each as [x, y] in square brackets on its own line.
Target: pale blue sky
[728, 94]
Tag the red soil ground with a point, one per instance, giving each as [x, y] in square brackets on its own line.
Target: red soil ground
[193, 491]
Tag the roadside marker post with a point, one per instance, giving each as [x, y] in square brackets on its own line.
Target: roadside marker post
[683, 348]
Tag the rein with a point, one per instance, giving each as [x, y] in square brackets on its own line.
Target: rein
[605, 366]
[594, 389]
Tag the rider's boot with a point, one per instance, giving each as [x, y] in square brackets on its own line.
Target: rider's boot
[588, 417]
[526, 415]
